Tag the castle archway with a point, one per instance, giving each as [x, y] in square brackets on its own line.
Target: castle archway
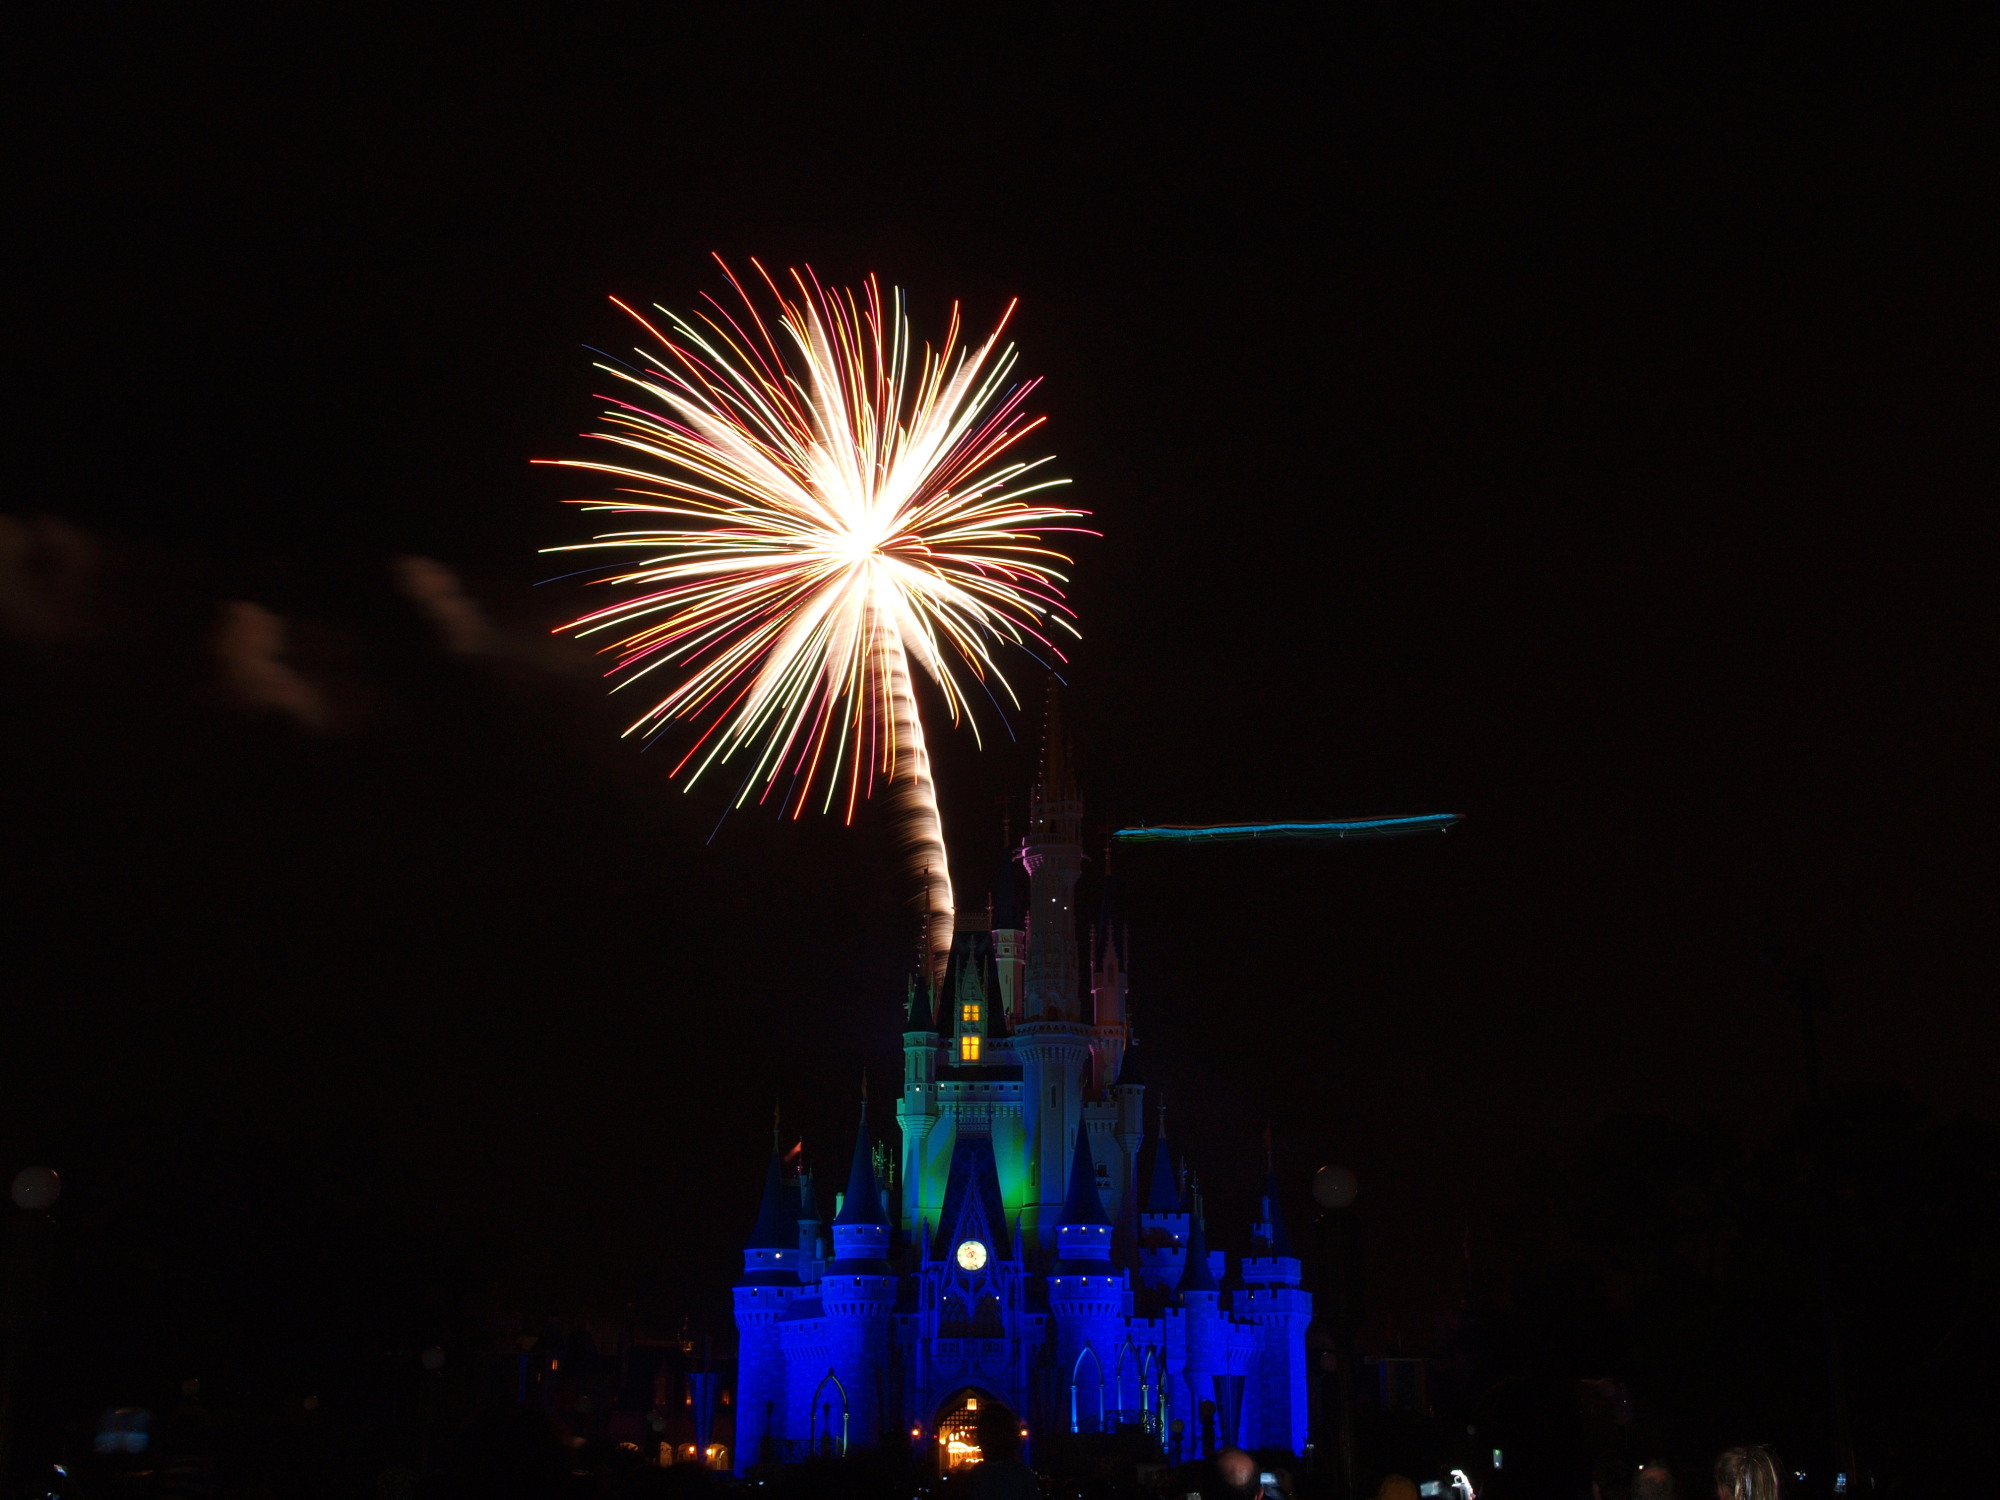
[958, 1426]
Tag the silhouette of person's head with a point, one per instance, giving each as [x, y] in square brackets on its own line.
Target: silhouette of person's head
[1612, 1480]
[1237, 1470]
[999, 1437]
[1747, 1474]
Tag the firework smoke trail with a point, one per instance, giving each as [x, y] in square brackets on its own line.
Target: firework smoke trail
[824, 504]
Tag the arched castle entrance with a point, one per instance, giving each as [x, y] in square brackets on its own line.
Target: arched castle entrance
[958, 1426]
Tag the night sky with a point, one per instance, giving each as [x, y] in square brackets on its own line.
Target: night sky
[1579, 422]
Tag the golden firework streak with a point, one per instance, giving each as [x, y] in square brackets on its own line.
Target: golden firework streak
[823, 505]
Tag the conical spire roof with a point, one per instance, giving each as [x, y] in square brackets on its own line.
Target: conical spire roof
[1196, 1275]
[777, 1222]
[1056, 781]
[862, 1202]
[1274, 1217]
[1163, 1193]
[917, 1007]
[1082, 1205]
[1108, 932]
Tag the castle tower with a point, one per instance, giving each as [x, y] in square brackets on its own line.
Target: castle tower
[1010, 934]
[1051, 1039]
[1205, 1329]
[973, 1022]
[1276, 1405]
[812, 1249]
[770, 1282]
[917, 1110]
[1128, 1100]
[1163, 1222]
[1054, 857]
[1109, 946]
[1086, 1294]
[857, 1293]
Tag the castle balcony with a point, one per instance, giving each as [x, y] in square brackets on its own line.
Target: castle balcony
[969, 1349]
[961, 1360]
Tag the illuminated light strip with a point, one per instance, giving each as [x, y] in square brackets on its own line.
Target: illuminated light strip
[1354, 828]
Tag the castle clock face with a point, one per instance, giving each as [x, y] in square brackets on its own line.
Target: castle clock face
[971, 1255]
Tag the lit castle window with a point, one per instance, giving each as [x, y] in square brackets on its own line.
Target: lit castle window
[968, 1049]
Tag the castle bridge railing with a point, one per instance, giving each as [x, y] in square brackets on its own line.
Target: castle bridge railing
[1113, 1421]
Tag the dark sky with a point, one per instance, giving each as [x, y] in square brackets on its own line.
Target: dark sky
[1581, 421]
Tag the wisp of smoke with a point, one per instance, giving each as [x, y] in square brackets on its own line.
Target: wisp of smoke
[249, 643]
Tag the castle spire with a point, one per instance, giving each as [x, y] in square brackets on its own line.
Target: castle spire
[1163, 1196]
[862, 1202]
[1274, 1218]
[777, 1223]
[1056, 782]
[1196, 1274]
[917, 1008]
[1082, 1204]
[1054, 857]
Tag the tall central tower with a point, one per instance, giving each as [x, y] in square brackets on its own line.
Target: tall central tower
[1054, 857]
[1052, 1037]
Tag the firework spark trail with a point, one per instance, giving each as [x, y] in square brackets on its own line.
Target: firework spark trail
[825, 505]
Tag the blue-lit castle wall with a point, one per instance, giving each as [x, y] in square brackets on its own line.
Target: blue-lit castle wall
[1007, 1250]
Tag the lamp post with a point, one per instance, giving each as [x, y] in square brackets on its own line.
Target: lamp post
[1336, 1252]
[35, 1190]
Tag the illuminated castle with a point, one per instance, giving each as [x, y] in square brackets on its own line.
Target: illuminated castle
[1009, 1254]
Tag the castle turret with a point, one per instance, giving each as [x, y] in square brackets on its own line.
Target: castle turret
[857, 1294]
[1054, 857]
[1163, 1194]
[1163, 1225]
[1128, 1096]
[1051, 1039]
[1206, 1328]
[770, 1281]
[1083, 1229]
[812, 1249]
[1010, 933]
[917, 1110]
[1197, 1274]
[1270, 1237]
[1108, 949]
[971, 1000]
[1086, 1295]
[1275, 1403]
[771, 1255]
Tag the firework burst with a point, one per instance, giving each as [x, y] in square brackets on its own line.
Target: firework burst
[823, 505]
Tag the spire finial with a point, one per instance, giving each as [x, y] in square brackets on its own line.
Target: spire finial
[774, 1124]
